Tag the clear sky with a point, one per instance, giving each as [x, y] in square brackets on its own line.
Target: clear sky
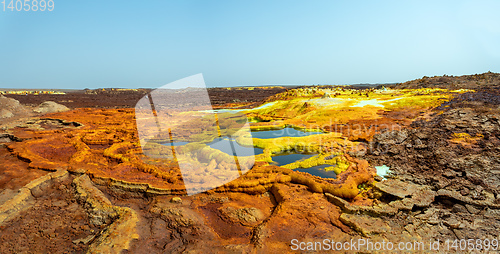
[131, 44]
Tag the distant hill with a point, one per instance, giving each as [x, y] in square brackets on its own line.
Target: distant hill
[476, 81]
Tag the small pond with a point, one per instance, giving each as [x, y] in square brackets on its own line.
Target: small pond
[285, 159]
[224, 145]
[227, 145]
[288, 158]
[285, 132]
[178, 143]
[319, 171]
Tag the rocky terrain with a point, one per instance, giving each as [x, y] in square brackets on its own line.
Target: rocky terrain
[455, 155]
[75, 180]
[122, 98]
[10, 107]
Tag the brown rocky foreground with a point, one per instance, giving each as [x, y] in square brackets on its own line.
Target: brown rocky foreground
[77, 181]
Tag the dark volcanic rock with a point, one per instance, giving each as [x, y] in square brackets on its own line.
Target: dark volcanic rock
[455, 153]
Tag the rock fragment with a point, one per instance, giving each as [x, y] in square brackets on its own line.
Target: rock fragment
[4, 113]
[177, 200]
[50, 107]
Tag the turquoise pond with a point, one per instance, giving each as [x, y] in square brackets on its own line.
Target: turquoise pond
[284, 159]
[319, 171]
[285, 132]
[180, 143]
[231, 147]
[288, 158]
[226, 145]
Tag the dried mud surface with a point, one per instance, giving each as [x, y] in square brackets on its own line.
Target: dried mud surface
[77, 181]
[54, 224]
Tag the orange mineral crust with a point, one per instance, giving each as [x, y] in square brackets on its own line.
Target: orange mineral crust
[105, 147]
[15, 172]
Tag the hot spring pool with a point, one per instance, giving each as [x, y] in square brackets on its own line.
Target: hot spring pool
[227, 145]
[285, 132]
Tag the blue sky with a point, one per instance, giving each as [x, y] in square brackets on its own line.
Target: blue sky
[131, 44]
